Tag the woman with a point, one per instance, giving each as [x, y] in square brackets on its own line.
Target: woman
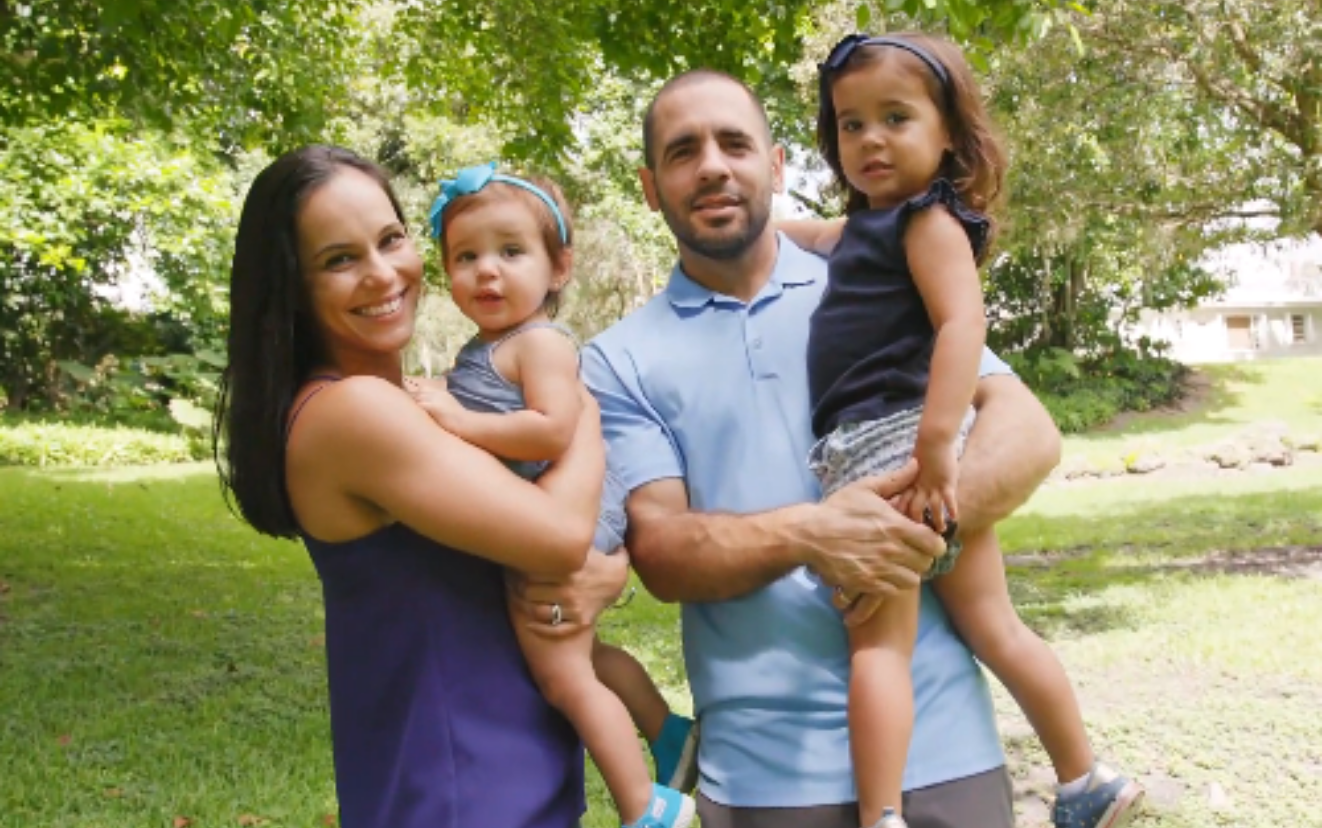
[435, 720]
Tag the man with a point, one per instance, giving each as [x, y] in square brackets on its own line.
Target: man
[704, 402]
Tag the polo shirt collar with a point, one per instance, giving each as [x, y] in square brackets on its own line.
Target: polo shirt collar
[683, 292]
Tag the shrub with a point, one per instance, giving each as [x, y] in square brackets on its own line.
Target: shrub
[34, 443]
[1081, 394]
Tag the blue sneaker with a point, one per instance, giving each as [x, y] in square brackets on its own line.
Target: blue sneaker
[1108, 800]
[676, 753]
[668, 809]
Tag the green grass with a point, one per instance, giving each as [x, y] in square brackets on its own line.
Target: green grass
[1198, 667]
[1238, 397]
[159, 660]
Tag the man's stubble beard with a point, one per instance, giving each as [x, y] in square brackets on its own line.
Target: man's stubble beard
[723, 249]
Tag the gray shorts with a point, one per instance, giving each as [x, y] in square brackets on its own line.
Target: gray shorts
[857, 450]
[981, 801]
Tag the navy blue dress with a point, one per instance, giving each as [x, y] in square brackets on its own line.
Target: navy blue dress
[435, 720]
[870, 341]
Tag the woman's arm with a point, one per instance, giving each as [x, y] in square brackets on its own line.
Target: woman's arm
[544, 362]
[818, 235]
[367, 442]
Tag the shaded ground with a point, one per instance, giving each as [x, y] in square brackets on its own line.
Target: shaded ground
[1282, 561]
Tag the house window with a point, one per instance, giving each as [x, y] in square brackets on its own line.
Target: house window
[1298, 329]
[1239, 333]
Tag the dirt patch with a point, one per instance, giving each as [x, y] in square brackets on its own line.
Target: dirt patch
[1284, 561]
[1196, 757]
[1281, 561]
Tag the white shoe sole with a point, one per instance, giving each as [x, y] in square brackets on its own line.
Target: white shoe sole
[687, 810]
[1125, 808]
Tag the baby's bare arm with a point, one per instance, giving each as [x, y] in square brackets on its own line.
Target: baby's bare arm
[544, 363]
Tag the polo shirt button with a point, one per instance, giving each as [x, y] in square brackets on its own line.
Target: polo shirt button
[757, 343]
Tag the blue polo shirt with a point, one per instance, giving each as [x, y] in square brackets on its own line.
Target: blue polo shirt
[703, 387]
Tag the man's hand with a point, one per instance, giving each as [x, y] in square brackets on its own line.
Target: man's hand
[580, 597]
[857, 542]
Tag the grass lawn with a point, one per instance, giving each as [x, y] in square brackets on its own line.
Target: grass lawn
[1230, 399]
[159, 662]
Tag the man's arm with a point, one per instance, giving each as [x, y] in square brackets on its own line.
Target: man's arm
[1014, 445]
[691, 556]
[854, 540]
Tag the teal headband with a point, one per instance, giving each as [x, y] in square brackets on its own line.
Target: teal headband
[469, 180]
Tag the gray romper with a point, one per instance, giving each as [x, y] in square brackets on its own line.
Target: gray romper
[478, 386]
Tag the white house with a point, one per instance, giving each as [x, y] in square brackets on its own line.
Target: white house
[1272, 308]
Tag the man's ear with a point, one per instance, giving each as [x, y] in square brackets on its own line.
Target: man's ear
[648, 179]
[778, 169]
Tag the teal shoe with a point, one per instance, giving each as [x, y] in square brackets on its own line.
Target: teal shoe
[676, 754]
[668, 809]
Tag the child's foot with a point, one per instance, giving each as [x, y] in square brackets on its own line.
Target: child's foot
[668, 809]
[676, 753]
[890, 819]
[1105, 800]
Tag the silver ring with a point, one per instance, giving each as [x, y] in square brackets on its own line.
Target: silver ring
[557, 615]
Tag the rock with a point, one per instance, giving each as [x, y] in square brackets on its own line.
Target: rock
[1270, 450]
[1143, 463]
[1164, 792]
[1075, 468]
[1227, 456]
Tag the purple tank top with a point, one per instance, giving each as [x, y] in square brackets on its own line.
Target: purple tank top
[435, 719]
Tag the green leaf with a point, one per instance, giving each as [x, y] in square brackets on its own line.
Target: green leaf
[1078, 41]
[76, 370]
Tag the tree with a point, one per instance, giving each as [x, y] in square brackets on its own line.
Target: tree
[1259, 72]
[1117, 180]
[529, 66]
[229, 72]
[83, 207]
[259, 73]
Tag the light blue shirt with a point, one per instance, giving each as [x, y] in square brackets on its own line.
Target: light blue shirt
[700, 386]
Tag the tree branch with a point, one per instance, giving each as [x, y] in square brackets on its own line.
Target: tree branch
[821, 208]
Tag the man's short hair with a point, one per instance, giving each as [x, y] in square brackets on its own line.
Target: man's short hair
[684, 79]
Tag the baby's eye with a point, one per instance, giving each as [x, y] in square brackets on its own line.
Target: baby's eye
[512, 250]
[850, 125]
[896, 118]
[465, 256]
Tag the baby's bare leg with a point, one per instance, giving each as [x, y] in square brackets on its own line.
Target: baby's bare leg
[627, 678]
[563, 670]
[881, 703]
[977, 598]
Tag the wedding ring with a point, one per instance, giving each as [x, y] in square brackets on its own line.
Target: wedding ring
[557, 615]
